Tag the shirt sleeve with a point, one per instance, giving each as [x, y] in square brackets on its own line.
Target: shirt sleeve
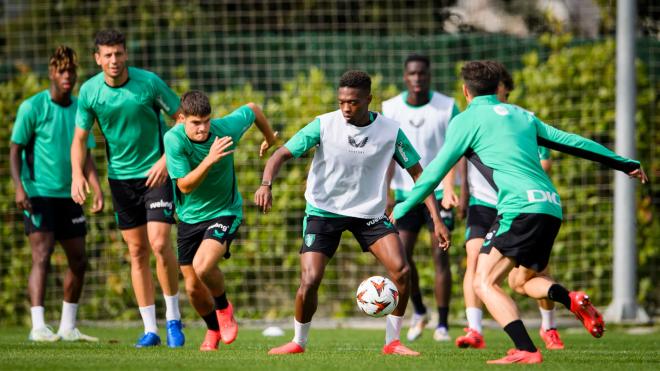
[404, 153]
[165, 97]
[306, 138]
[91, 141]
[237, 123]
[544, 153]
[25, 124]
[177, 162]
[579, 146]
[84, 114]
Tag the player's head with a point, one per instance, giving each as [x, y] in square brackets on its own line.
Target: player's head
[417, 73]
[354, 96]
[195, 113]
[506, 84]
[62, 67]
[479, 78]
[110, 52]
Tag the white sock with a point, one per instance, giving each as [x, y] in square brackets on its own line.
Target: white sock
[37, 317]
[392, 328]
[68, 320]
[301, 332]
[547, 318]
[172, 307]
[474, 316]
[418, 317]
[148, 314]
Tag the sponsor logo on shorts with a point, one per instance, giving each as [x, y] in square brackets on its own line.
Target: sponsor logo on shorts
[79, 220]
[388, 224]
[218, 234]
[374, 221]
[218, 226]
[36, 220]
[535, 195]
[167, 212]
[309, 239]
[160, 204]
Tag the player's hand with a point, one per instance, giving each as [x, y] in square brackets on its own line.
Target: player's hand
[79, 189]
[263, 198]
[442, 234]
[266, 145]
[639, 174]
[97, 203]
[391, 218]
[219, 149]
[449, 199]
[157, 175]
[22, 200]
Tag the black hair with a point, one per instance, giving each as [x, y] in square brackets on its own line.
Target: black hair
[195, 103]
[356, 79]
[109, 37]
[417, 58]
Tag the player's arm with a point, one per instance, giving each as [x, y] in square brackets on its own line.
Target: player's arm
[464, 198]
[439, 228]
[15, 165]
[93, 177]
[21, 134]
[389, 174]
[260, 120]
[546, 160]
[449, 197]
[79, 184]
[169, 102]
[194, 178]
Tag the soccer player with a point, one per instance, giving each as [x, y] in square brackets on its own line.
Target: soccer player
[502, 141]
[424, 116]
[346, 190]
[208, 203]
[41, 172]
[126, 102]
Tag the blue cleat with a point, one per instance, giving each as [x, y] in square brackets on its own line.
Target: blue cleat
[149, 339]
[175, 337]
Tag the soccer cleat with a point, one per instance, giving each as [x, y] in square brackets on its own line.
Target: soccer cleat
[395, 347]
[149, 339]
[518, 356]
[175, 337]
[584, 311]
[228, 325]
[551, 339]
[211, 341]
[472, 339]
[44, 334]
[75, 335]
[288, 348]
[417, 324]
[441, 334]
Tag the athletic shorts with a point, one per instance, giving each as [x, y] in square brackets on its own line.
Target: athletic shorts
[190, 236]
[61, 216]
[479, 220]
[420, 215]
[526, 238]
[136, 204]
[321, 234]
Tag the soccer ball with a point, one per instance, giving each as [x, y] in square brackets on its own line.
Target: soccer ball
[377, 296]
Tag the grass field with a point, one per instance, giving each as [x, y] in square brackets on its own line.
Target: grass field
[340, 349]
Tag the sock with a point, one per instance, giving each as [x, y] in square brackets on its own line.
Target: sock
[301, 332]
[37, 317]
[418, 306]
[547, 318]
[558, 293]
[392, 328]
[172, 307]
[221, 301]
[517, 332]
[211, 320]
[68, 320]
[148, 314]
[443, 313]
[474, 316]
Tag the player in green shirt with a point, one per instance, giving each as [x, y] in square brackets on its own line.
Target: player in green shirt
[201, 164]
[502, 141]
[126, 102]
[41, 172]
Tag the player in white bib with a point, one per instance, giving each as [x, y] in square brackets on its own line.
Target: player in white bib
[424, 116]
[346, 190]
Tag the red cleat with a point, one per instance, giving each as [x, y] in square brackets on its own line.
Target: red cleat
[551, 339]
[228, 325]
[395, 347]
[584, 311]
[472, 339]
[211, 341]
[288, 348]
[518, 356]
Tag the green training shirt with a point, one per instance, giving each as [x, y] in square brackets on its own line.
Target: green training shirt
[129, 117]
[217, 195]
[45, 130]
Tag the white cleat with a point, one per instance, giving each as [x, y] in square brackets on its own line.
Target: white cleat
[417, 324]
[441, 334]
[44, 334]
[76, 335]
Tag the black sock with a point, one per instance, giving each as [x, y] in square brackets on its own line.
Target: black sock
[558, 293]
[221, 301]
[417, 303]
[443, 312]
[211, 321]
[517, 332]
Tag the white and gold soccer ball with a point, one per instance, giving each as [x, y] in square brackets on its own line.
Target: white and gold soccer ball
[377, 296]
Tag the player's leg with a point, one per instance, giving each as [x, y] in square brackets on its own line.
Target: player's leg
[419, 317]
[473, 305]
[42, 245]
[201, 299]
[548, 330]
[442, 278]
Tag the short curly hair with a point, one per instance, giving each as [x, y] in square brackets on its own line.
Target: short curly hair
[356, 79]
[63, 58]
[195, 103]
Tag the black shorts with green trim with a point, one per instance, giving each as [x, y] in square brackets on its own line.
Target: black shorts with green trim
[190, 236]
[420, 215]
[525, 238]
[60, 216]
[136, 204]
[479, 220]
[322, 234]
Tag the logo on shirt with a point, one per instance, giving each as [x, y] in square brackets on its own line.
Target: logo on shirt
[402, 152]
[501, 110]
[353, 141]
[417, 124]
[160, 204]
[162, 103]
[536, 195]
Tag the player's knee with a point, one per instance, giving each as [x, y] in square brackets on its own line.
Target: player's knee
[201, 267]
[402, 275]
[139, 254]
[479, 284]
[194, 287]
[159, 246]
[41, 259]
[310, 281]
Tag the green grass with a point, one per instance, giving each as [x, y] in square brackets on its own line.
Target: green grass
[341, 349]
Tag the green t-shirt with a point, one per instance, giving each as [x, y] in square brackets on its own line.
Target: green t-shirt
[45, 129]
[129, 117]
[544, 153]
[217, 195]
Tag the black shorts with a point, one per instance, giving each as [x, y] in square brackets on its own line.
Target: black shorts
[419, 215]
[321, 234]
[136, 204]
[61, 216]
[526, 238]
[479, 220]
[190, 236]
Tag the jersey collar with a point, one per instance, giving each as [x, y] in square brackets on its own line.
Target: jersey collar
[485, 100]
